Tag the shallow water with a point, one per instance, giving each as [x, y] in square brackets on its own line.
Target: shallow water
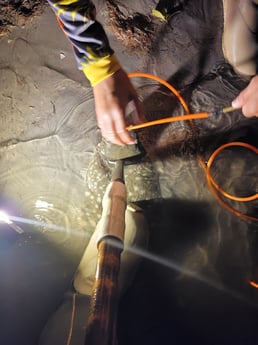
[46, 144]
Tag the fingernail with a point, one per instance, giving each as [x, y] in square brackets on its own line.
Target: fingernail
[134, 138]
[235, 103]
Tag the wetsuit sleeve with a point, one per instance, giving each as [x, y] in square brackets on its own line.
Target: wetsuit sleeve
[92, 51]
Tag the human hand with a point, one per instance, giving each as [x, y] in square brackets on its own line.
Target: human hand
[111, 98]
[248, 99]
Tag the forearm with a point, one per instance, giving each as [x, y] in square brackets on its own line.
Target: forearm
[93, 53]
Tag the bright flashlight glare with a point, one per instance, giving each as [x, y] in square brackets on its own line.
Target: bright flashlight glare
[5, 218]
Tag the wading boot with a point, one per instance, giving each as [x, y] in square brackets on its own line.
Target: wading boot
[136, 235]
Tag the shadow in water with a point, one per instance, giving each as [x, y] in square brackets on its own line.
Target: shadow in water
[166, 306]
[35, 274]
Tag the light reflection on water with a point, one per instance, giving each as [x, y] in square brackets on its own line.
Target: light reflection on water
[144, 254]
[43, 178]
[62, 190]
[39, 225]
[46, 145]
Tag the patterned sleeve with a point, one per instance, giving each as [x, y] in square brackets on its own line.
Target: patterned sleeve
[92, 51]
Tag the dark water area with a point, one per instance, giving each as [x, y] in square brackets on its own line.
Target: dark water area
[199, 292]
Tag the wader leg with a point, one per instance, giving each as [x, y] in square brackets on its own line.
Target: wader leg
[136, 234]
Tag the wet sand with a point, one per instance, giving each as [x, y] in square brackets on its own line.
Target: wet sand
[193, 286]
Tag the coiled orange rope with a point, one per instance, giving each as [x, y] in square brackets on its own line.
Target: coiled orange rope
[213, 186]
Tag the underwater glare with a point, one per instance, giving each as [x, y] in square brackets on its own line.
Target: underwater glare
[45, 225]
[6, 219]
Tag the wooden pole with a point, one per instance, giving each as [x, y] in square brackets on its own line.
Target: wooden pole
[104, 300]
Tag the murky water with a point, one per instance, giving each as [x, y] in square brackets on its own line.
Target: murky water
[46, 144]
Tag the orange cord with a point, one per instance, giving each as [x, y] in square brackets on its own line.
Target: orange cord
[211, 160]
[252, 283]
[168, 120]
[69, 338]
[163, 82]
[213, 186]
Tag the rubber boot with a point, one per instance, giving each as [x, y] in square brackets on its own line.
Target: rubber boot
[239, 40]
[136, 234]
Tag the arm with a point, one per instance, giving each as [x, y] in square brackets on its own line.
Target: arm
[248, 99]
[111, 86]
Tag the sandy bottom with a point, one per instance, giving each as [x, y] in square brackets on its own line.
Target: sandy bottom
[192, 286]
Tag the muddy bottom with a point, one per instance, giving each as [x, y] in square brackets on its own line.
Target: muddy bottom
[18, 12]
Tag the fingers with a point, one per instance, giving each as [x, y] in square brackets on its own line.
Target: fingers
[113, 128]
[248, 99]
[134, 112]
[112, 96]
[139, 110]
[118, 138]
[250, 109]
[238, 102]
